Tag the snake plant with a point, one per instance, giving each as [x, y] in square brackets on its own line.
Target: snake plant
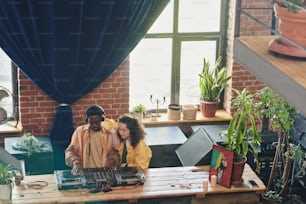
[213, 82]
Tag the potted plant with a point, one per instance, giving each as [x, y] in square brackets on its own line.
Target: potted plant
[242, 132]
[287, 155]
[6, 183]
[291, 24]
[139, 111]
[292, 5]
[212, 83]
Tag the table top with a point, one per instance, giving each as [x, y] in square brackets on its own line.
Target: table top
[164, 135]
[159, 183]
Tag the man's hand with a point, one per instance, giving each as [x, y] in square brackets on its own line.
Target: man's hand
[113, 159]
[77, 170]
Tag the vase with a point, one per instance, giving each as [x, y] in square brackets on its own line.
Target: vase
[174, 112]
[238, 168]
[189, 112]
[5, 192]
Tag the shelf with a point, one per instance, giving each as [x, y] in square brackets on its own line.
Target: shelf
[286, 76]
[221, 116]
[11, 128]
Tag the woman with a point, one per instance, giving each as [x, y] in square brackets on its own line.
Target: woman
[133, 150]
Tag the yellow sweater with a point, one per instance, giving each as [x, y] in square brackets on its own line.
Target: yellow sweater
[139, 156]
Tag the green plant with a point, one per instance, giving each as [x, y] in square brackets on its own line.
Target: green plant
[6, 177]
[287, 155]
[213, 82]
[140, 108]
[292, 5]
[29, 143]
[242, 131]
[273, 196]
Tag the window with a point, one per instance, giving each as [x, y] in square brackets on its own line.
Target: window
[7, 77]
[167, 61]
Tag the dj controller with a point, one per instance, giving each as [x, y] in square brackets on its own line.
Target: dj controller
[99, 178]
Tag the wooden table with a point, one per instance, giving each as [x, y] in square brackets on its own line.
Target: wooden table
[161, 183]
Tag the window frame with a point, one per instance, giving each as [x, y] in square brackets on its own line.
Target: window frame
[15, 89]
[177, 39]
[15, 93]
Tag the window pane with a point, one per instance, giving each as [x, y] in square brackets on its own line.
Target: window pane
[6, 82]
[6, 70]
[199, 15]
[164, 23]
[192, 56]
[150, 72]
[153, 74]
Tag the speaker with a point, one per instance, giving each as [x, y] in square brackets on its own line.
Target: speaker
[94, 110]
[197, 150]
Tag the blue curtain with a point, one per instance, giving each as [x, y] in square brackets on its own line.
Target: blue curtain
[68, 47]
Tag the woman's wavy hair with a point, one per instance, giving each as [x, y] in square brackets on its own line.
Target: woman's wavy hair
[136, 128]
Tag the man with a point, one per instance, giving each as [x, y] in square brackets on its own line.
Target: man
[91, 143]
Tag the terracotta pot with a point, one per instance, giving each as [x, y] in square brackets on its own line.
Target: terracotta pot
[237, 172]
[293, 26]
[208, 109]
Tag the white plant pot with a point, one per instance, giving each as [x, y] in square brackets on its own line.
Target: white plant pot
[5, 192]
[138, 116]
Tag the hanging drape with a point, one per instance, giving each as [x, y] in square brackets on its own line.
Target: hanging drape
[68, 47]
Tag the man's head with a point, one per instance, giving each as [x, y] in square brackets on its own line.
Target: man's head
[94, 116]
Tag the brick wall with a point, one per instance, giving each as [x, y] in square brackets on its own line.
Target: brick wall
[250, 27]
[241, 77]
[37, 109]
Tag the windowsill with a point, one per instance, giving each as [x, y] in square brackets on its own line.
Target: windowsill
[221, 116]
[9, 128]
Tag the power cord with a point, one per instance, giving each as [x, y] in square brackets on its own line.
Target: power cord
[37, 184]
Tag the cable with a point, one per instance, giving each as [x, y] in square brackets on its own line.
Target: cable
[37, 184]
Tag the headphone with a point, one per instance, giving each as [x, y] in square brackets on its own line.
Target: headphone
[94, 110]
